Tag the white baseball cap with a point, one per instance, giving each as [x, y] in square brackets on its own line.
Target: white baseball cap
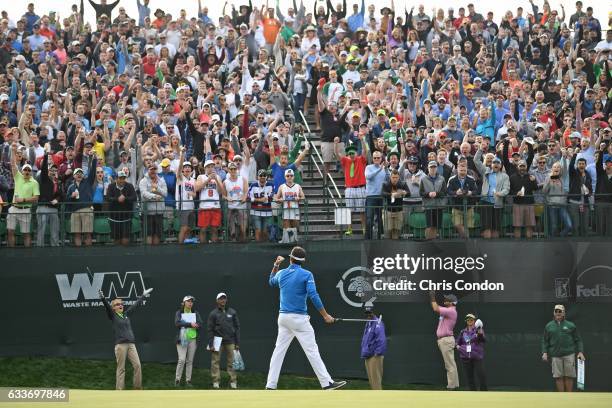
[220, 295]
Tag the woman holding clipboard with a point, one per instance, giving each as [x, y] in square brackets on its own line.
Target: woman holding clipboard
[188, 321]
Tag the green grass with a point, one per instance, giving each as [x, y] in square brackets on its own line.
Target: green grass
[100, 375]
[324, 399]
[91, 381]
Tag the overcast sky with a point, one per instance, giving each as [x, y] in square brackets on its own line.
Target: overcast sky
[17, 8]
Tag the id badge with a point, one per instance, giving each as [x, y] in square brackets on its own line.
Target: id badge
[468, 348]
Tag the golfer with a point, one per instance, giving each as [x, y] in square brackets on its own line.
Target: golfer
[124, 339]
[446, 339]
[296, 284]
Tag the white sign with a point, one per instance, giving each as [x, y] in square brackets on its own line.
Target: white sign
[580, 379]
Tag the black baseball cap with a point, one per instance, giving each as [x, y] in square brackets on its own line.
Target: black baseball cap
[451, 298]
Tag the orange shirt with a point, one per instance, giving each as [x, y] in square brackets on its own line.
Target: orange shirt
[47, 32]
[271, 28]
[566, 137]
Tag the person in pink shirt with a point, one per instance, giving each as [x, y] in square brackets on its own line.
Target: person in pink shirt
[446, 339]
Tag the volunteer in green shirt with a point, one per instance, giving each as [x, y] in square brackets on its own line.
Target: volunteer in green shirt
[26, 193]
[188, 321]
[560, 344]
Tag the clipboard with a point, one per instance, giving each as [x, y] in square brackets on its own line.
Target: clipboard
[188, 317]
[216, 344]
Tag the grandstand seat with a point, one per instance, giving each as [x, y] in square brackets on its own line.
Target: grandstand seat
[2, 229]
[417, 223]
[448, 228]
[101, 229]
[474, 232]
[136, 229]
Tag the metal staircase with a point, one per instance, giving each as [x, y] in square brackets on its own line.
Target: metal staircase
[322, 200]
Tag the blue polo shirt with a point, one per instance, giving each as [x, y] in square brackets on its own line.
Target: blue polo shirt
[296, 285]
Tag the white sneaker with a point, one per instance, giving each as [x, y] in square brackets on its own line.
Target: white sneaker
[234, 386]
[216, 386]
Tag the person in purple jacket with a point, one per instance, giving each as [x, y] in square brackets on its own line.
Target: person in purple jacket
[470, 344]
[373, 348]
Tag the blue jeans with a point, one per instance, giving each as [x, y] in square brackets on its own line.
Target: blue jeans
[556, 216]
[298, 103]
[374, 206]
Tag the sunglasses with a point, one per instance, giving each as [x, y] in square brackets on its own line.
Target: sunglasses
[26, 171]
[558, 311]
[118, 304]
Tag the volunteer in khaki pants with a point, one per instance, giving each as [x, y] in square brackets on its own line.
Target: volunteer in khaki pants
[296, 285]
[373, 348]
[446, 339]
[125, 340]
[223, 322]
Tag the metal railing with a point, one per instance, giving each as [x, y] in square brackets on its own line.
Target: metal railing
[321, 173]
[64, 224]
[456, 219]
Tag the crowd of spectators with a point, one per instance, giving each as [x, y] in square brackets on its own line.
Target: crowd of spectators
[178, 118]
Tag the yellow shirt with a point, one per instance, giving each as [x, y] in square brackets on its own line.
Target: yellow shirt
[25, 188]
[100, 152]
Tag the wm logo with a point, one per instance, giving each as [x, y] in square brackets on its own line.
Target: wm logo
[113, 285]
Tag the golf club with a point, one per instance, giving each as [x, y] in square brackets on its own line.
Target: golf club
[339, 319]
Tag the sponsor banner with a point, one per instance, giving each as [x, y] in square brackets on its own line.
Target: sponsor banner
[50, 290]
[80, 290]
[479, 271]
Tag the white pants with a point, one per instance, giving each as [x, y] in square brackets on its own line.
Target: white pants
[292, 325]
[185, 359]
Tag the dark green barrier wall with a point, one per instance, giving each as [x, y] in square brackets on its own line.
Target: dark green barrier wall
[35, 321]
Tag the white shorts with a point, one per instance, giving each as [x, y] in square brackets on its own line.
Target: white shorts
[355, 199]
[292, 214]
[21, 216]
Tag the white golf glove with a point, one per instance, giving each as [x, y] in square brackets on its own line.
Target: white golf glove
[478, 324]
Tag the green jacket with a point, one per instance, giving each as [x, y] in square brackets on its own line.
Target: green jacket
[561, 339]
